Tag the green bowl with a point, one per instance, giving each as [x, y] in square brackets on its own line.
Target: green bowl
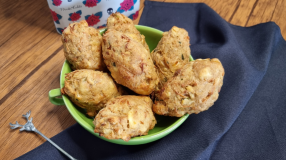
[165, 125]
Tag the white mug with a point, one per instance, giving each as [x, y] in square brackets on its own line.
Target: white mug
[95, 12]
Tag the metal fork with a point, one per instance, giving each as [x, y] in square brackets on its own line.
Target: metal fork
[29, 126]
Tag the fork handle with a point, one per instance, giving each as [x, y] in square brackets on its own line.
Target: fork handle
[59, 148]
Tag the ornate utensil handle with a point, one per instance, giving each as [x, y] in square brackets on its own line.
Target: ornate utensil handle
[29, 126]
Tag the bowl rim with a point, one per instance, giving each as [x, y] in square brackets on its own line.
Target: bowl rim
[134, 140]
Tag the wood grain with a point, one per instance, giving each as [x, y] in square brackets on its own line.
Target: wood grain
[31, 58]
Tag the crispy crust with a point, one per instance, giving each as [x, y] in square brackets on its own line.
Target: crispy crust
[125, 117]
[129, 62]
[89, 89]
[121, 23]
[172, 53]
[193, 89]
[82, 46]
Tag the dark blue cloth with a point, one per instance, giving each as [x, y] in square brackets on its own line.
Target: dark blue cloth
[247, 121]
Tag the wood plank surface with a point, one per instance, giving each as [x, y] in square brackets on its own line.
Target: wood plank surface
[31, 58]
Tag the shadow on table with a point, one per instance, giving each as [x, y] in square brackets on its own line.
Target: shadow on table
[31, 13]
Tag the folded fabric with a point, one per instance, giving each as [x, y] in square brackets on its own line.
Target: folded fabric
[246, 122]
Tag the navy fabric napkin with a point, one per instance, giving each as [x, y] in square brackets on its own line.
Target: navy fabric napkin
[247, 121]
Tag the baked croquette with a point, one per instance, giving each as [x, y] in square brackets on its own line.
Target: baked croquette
[125, 117]
[129, 62]
[121, 23]
[89, 89]
[172, 53]
[82, 46]
[193, 89]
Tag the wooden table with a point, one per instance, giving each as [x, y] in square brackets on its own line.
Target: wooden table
[31, 58]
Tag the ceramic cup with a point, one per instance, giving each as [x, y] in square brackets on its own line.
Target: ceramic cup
[95, 12]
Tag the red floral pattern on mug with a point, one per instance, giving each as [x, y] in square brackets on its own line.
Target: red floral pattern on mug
[75, 16]
[135, 16]
[65, 12]
[60, 30]
[57, 2]
[90, 3]
[102, 26]
[126, 5]
[93, 19]
[56, 17]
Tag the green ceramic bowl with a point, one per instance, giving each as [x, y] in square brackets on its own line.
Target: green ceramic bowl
[165, 125]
